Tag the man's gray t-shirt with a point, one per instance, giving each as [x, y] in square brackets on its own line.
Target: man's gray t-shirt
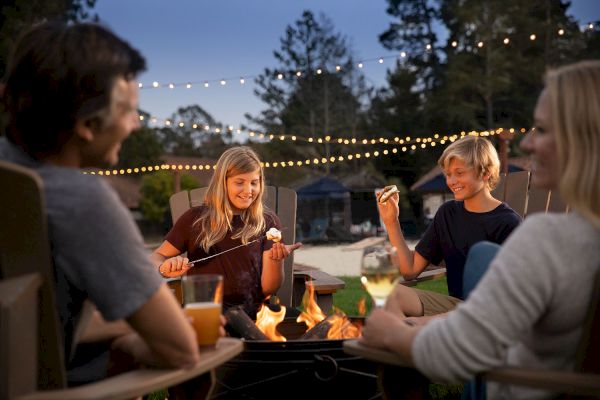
[97, 249]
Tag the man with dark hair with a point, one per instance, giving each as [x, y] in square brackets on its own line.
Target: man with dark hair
[70, 98]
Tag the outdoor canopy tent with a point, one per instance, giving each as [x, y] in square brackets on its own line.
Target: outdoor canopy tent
[323, 209]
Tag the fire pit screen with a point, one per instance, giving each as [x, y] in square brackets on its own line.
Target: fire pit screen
[295, 360]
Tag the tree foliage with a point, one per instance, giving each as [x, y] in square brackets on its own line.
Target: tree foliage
[190, 138]
[17, 15]
[156, 190]
[325, 99]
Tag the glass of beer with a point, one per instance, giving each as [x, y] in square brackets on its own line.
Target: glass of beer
[379, 272]
[202, 298]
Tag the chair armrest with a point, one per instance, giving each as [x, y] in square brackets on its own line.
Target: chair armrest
[572, 383]
[321, 281]
[437, 273]
[143, 381]
[355, 348]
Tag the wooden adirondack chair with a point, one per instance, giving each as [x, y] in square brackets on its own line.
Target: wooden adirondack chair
[31, 360]
[283, 202]
[583, 381]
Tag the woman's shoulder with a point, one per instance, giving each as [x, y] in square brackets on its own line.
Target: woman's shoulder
[559, 225]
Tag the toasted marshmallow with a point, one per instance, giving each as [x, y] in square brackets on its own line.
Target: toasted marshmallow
[274, 234]
[387, 192]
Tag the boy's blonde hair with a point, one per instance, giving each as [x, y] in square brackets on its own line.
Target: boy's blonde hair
[214, 224]
[574, 94]
[476, 152]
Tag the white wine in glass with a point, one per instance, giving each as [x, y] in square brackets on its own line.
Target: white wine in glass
[379, 272]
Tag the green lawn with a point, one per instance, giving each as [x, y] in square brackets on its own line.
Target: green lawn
[348, 298]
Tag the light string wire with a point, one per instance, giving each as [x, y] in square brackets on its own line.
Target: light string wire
[385, 149]
[505, 39]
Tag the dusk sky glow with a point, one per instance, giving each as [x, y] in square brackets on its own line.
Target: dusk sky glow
[210, 40]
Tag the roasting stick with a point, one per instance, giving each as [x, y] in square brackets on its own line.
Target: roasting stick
[191, 263]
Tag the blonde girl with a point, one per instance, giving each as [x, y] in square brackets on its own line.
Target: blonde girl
[232, 214]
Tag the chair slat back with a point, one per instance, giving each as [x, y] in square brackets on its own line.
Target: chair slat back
[19, 298]
[537, 200]
[179, 203]
[556, 203]
[499, 191]
[516, 191]
[281, 200]
[25, 249]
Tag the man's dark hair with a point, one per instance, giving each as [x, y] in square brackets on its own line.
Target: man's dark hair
[61, 73]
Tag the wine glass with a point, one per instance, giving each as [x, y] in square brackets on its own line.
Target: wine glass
[379, 272]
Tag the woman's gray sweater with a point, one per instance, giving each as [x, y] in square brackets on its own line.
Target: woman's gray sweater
[527, 311]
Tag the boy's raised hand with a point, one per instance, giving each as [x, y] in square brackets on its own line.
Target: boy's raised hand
[389, 210]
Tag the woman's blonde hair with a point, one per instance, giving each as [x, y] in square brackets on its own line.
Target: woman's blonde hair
[214, 224]
[574, 95]
[476, 152]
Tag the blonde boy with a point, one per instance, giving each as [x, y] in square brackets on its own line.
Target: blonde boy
[471, 167]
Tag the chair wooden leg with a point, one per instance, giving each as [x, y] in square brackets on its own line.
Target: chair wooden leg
[403, 383]
[200, 387]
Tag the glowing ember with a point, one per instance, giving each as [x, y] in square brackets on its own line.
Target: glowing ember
[312, 313]
[341, 327]
[267, 321]
[362, 306]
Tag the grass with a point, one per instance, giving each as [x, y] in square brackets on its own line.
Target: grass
[347, 299]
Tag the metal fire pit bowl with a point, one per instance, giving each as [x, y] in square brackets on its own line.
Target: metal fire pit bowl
[296, 369]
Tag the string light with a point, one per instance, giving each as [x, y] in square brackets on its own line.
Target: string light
[433, 141]
[337, 68]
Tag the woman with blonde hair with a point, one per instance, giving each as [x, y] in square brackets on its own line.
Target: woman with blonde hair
[232, 214]
[530, 306]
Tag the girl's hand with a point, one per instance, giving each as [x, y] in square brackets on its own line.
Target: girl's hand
[174, 267]
[280, 250]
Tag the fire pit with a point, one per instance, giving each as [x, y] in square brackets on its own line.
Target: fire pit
[296, 369]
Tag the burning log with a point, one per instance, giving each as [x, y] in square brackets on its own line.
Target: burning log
[241, 323]
[319, 331]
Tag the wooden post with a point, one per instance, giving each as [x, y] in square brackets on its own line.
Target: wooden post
[176, 181]
[505, 138]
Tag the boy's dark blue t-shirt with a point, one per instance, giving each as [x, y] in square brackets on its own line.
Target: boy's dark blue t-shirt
[454, 230]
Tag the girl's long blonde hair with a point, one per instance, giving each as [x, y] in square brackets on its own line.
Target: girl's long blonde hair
[574, 94]
[214, 224]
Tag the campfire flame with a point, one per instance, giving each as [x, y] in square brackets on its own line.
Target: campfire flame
[312, 313]
[267, 321]
[341, 327]
[362, 306]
